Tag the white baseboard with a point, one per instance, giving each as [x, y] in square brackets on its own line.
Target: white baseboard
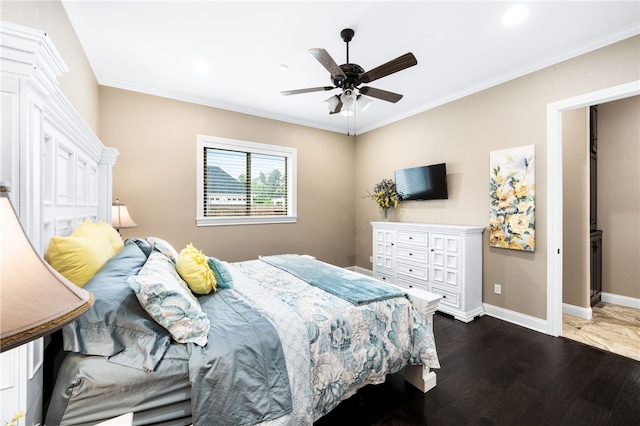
[577, 311]
[517, 318]
[534, 323]
[360, 270]
[630, 302]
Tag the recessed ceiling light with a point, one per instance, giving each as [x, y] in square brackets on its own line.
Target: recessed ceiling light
[283, 67]
[515, 14]
[201, 66]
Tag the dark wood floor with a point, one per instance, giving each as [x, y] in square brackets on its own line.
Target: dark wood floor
[497, 373]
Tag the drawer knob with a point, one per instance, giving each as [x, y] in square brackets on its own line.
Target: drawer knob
[444, 296]
[410, 270]
[411, 238]
[410, 254]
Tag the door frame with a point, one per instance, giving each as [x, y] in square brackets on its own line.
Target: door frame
[554, 190]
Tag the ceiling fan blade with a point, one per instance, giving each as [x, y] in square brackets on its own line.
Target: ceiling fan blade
[311, 89]
[400, 63]
[380, 94]
[327, 61]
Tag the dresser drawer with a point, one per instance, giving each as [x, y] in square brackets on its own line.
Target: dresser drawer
[409, 283]
[414, 254]
[413, 237]
[449, 298]
[420, 272]
[383, 277]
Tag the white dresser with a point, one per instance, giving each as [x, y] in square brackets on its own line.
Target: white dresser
[443, 259]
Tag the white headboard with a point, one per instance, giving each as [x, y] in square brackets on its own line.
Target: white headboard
[59, 172]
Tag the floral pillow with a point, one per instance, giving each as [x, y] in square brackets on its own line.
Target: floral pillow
[166, 297]
[163, 247]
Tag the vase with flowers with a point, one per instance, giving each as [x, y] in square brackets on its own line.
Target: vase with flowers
[386, 196]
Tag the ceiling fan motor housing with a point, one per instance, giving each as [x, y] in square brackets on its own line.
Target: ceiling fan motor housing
[352, 71]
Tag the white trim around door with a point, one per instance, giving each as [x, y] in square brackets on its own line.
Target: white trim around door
[554, 190]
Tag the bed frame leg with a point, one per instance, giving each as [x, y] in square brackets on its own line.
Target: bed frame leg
[420, 376]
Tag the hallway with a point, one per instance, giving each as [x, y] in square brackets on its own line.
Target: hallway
[613, 328]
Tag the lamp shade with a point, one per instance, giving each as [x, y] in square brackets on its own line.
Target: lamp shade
[120, 217]
[334, 104]
[364, 102]
[35, 300]
[348, 96]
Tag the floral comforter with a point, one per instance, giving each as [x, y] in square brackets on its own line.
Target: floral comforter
[350, 346]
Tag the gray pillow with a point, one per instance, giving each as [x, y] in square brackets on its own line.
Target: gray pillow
[117, 326]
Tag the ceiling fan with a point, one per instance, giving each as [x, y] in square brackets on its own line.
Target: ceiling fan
[349, 77]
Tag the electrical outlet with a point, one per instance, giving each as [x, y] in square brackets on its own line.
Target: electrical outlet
[370, 259]
[497, 289]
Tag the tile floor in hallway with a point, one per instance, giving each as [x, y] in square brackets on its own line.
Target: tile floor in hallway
[613, 328]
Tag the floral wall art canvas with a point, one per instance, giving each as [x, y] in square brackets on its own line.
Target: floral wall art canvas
[512, 222]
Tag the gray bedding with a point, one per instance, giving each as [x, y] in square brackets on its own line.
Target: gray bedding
[90, 389]
[239, 377]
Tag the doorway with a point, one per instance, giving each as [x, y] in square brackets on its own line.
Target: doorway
[554, 191]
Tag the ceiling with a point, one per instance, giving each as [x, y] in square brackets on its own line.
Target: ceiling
[461, 48]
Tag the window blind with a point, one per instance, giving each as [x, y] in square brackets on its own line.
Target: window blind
[238, 183]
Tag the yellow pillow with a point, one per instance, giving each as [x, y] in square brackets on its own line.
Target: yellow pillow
[114, 237]
[193, 268]
[98, 230]
[80, 256]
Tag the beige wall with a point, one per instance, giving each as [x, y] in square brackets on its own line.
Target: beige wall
[619, 195]
[78, 84]
[462, 133]
[155, 176]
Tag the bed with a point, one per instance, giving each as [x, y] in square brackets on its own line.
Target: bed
[317, 347]
[302, 348]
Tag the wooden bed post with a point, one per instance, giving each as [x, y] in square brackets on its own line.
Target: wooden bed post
[420, 376]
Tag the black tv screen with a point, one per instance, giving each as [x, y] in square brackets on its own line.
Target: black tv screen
[423, 183]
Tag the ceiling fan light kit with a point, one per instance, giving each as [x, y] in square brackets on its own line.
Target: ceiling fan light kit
[348, 77]
[333, 103]
[363, 102]
[348, 96]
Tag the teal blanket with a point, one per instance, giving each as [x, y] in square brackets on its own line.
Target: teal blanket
[350, 286]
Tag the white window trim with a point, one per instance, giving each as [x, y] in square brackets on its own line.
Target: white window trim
[204, 141]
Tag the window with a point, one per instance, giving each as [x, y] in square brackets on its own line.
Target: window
[245, 182]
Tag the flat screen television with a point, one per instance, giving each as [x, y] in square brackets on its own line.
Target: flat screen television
[423, 183]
